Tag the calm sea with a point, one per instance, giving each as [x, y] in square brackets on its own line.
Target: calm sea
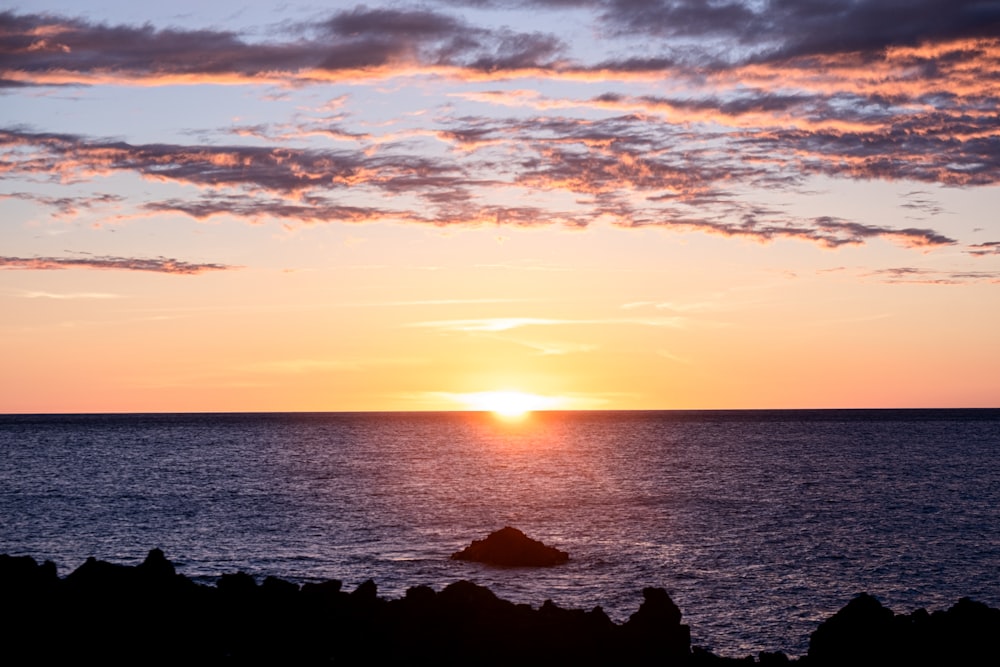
[760, 524]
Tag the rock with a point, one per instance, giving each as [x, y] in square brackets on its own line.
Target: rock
[866, 633]
[149, 614]
[655, 631]
[512, 548]
[860, 633]
[22, 574]
[156, 566]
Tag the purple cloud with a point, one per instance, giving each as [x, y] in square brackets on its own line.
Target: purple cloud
[154, 264]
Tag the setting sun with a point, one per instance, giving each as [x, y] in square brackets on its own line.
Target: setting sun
[508, 403]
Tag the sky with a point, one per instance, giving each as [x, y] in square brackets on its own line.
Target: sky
[601, 204]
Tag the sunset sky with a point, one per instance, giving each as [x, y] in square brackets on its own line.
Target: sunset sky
[609, 204]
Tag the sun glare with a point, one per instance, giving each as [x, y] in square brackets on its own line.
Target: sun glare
[509, 404]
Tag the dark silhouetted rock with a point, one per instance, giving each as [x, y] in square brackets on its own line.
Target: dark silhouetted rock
[156, 565]
[510, 547]
[866, 633]
[21, 574]
[148, 614]
[857, 632]
[237, 584]
[656, 631]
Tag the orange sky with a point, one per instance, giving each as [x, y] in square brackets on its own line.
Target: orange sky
[354, 213]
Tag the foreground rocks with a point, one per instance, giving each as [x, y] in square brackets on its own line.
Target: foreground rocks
[511, 548]
[149, 614]
[866, 633]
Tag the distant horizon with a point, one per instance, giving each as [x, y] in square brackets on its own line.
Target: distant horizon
[488, 412]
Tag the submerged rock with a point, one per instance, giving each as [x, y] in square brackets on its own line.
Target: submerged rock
[510, 547]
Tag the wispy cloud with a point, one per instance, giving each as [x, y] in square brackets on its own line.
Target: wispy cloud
[432, 302]
[307, 365]
[602, 163]
[498, 324]
[674, 357]
[984, 249]
[108, 263]
[491, 324]
[67, 296]
[557, 348]
[925, 276]
[67, 206]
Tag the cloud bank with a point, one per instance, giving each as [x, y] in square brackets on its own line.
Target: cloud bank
[154, 264]
[757, 97]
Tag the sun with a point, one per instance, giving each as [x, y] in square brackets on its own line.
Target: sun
[509, 404]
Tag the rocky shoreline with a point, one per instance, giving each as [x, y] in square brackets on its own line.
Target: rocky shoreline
[149, 614]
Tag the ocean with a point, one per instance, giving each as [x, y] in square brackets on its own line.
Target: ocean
[759, 524]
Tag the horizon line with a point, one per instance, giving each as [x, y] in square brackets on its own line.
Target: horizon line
[490, 412]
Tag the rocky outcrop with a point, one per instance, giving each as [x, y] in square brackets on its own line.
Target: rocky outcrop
[148, 614]
[511, 548]
[866, 633]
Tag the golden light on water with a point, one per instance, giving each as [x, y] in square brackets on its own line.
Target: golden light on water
[510, 404]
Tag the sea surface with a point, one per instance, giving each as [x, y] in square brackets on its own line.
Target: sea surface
[760, 524]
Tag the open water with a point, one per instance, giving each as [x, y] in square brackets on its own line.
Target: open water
[760, 524]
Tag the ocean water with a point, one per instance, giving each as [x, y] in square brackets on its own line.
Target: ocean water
[760, 524]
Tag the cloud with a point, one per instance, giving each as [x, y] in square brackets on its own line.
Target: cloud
[303, 366]
[277, 169]
[756, 97]
[312, 210]
[67, 296]
[492, 324]
[673, 357]
[826, 231]
[693, 307]
[498, 324]
[920, 202]
[155, 264]
[557, 348]
[67, 206]
[435, 302]
[607, 160]
[984, 249]
[42, 49]
[924, 276]
[777, 29]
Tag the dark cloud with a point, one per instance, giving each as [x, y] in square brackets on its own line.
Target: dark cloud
[922, 276]
[605, 163]
[39, 44]
[984, 249]
[155, 264]
[825, 231]
[50, 49]
[855, 232]
[388, 22]
[47, 49]
[278, 169]
[313, 210]
[778, 29]
[926, 115]
[931, 148]
[920, 202]
[67, 206]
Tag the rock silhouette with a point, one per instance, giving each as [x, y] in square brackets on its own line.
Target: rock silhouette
[148, 614]
[511, 548]
[866, 633]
